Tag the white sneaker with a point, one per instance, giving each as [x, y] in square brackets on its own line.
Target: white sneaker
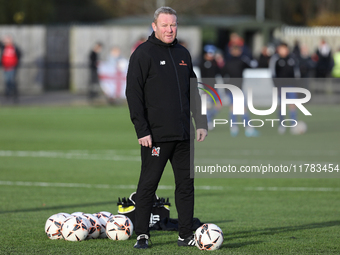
[142, 242]
[189, 241]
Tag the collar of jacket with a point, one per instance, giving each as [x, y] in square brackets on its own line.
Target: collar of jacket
[154, 40]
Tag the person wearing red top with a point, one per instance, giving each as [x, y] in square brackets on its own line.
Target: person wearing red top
[10, 58]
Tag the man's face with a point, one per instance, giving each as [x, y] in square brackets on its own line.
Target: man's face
[165, 27]
[283, 51]
[7, 40]
[209, 56]
[98, 48]
[235, 51]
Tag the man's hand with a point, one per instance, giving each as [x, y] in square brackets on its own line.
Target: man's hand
[201, 134]
[145, 141]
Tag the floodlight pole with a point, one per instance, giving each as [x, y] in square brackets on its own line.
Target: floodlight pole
[260, 10]
[160, 3]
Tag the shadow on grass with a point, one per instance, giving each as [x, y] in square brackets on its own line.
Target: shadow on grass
[238, 245]
[59, 207]
[272, 231]
[220, 221]
[208, 193]
[224, 246]
[162, 243]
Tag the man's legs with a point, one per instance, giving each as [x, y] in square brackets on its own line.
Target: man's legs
[94, 80]
[11, 89]
[184, 193]
[153, 164]
[7, 83]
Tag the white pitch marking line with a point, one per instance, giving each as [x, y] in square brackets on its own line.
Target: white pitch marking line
[113, 155]
[162, 187]
[226, 161]
[98, 186]
[292, 189]
[103, 155]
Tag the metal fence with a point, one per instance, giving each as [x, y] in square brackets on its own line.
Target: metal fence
[309, 36]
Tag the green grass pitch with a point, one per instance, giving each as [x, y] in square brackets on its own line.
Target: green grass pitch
[67, 159]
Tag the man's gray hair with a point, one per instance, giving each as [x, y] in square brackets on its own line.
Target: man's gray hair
[163, 9]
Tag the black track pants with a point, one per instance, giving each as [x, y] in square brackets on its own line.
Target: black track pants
[153, 163]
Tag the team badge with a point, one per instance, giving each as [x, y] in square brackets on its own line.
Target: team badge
[155, 151]
[183, 63]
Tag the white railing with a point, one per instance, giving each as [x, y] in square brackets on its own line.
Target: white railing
[310, 31]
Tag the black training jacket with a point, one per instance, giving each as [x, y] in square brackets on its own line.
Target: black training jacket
[158, 91]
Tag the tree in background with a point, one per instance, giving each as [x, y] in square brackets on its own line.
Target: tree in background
[51, 11]
[121, 8]
[304, 12]
[26, 12]
[291, 12]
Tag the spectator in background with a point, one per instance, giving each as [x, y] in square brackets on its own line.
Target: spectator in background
[296, 49]
[336, 68]
[115, 56]
[236, 40]
[284, 65]
[264, 58]
[112, 76]
[307, 66]
[94, 61]
[208, 65]
[209, 69]
[233, 68]
[305, 62]
[219, 59]
[235, 65]
[10, 59]
[324, 60]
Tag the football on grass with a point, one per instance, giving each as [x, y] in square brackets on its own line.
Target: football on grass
[209, 237]
[53, 226]
[94, 226]
[103, 217]
[78, 214]
[299, 129]
[119, 227]
[74, 229]
[66, 215]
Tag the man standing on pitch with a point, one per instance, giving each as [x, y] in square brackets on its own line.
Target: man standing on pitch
[158, 95]
[9, 60]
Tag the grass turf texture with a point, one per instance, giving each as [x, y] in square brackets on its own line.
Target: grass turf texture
[254, 221]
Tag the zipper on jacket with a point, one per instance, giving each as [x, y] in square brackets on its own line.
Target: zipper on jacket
[179, 89]
[178, 85]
